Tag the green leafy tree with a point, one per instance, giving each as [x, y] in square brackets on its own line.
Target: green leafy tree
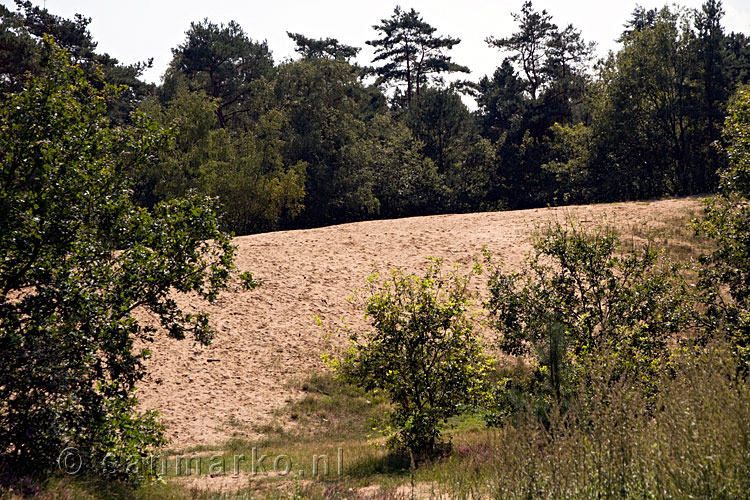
[501, 102]
[471, 178]
[406, 182]
[18, 50]
[21, 44]
[450, 138]
[444, 124]
[256, 190]
[423, 352]
[640, 20]
[525, 183]
[737, 58]
[644, 131]
[77, 258]
[197, 139]
[725, 276]
[411, 53]
[656, 112]
[714, 86]
[324, 100]
[582, 301]
[542, 81]
[568, 57]
[569, 161]
[224, 63]
[545, 55]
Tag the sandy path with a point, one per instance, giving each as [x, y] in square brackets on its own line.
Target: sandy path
[268, 336]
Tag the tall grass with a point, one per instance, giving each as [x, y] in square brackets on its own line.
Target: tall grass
[692, 441]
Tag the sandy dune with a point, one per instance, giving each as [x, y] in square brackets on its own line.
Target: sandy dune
[268, 336]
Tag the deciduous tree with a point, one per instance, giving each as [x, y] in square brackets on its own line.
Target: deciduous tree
[77, 259]
[423, 352]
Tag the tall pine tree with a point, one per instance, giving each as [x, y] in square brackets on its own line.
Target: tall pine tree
[411, 53]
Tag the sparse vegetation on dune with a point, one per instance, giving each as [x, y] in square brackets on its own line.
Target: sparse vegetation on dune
[609, 438]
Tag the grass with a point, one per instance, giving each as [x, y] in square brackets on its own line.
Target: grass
[675, 235]
[335, 408]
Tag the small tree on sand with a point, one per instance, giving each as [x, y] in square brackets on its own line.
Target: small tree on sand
[423, 352]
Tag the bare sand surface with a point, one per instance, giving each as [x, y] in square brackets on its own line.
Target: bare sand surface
[269, 336]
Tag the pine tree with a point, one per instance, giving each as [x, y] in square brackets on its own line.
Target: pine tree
[411, 52]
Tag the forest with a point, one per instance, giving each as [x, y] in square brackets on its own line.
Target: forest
[321, 140]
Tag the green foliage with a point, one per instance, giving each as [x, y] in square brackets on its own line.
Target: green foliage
[324, 99]
[255, 188]
[450, 139]
[692, 443]
[22, 47]
[548, 58]
[303, 143]
[651, 110]
[443, 123]
[245, 171]
[735, 179]
[406, 183]
[423, 352]
[471, 178]
[527, 46]
[501, 101]
[569, 162]
[653, 130]
[18, 50]
[656, 112]
[224, 63]
[411, 53]
[77, 258]
[582, 302]
[540, 86]
[327, 47]
[727, 221]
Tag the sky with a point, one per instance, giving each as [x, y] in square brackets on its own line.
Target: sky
[141, 29]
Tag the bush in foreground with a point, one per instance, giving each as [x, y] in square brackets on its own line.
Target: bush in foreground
[423, 352]
[77, 259]
[583, 302]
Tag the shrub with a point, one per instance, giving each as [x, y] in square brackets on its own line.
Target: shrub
[423, 352]
[727, 222]
[694, 442]
[581, 300]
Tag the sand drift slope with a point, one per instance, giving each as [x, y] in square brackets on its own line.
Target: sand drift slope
[268, 337]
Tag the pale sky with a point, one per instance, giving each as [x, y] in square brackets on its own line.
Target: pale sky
[140, 29]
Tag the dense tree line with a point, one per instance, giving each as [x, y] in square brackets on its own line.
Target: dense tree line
[321, 139]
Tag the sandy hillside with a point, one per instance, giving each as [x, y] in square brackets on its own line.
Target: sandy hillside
[268, 336]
